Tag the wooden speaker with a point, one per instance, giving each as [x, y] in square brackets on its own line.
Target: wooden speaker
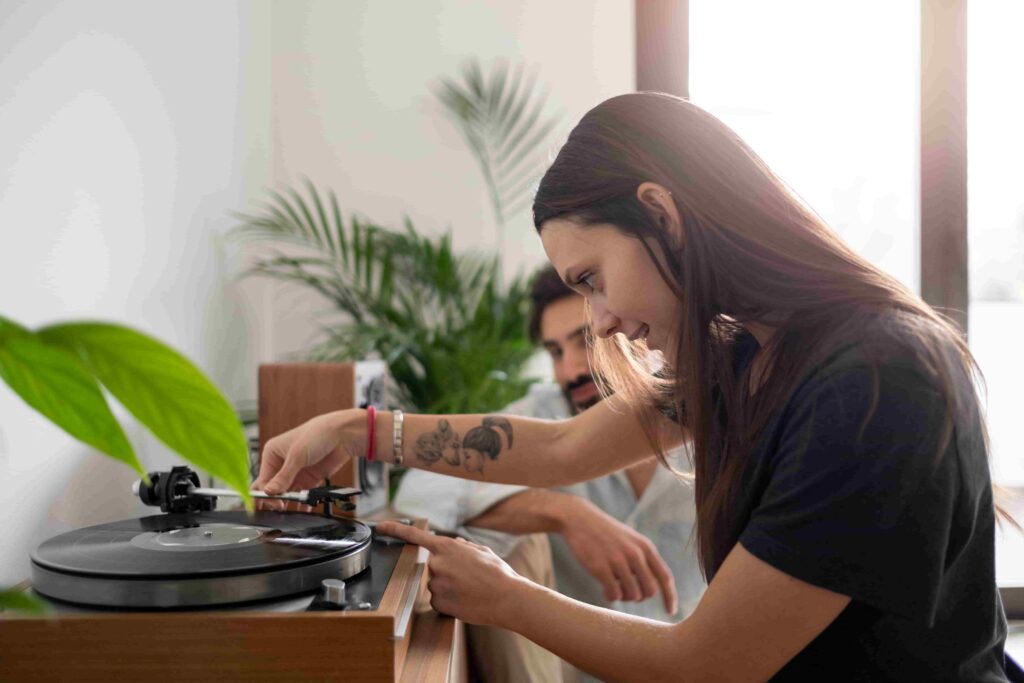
[292, 393]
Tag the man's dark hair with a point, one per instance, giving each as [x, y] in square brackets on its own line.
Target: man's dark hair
[547, 288]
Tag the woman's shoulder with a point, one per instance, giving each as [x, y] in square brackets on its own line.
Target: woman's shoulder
[893, 364]
[893, 342]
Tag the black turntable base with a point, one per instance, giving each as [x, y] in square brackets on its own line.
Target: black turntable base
[203, 559]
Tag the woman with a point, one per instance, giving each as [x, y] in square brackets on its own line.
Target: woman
[845, 512]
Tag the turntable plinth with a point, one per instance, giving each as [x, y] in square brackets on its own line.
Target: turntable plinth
[235, 645]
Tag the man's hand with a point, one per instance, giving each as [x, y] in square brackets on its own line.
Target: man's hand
[625, 562]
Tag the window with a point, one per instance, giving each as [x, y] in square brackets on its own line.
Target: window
[829, 95]
[995, 222]
[826, 93]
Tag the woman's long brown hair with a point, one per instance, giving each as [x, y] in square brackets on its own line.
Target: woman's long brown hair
[751, 251]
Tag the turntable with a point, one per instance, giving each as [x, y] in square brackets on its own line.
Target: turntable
[206, 594]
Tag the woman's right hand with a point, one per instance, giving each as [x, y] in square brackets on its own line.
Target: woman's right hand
[303, 457]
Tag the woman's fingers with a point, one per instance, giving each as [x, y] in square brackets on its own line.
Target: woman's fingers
[466, 580]
[282, 481]
[442, 593]
[272, 458]
[268, 466]
[411, 534]
[295, 459]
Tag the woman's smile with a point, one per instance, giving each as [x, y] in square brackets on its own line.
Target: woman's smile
[640, 333]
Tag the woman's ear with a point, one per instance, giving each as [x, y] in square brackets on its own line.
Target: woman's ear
[658, 200]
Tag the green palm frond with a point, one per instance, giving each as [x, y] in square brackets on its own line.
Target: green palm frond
[452, 333]
[501, 117]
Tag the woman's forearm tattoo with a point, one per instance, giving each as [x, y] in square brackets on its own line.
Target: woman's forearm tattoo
[440, 443]
[471, 452]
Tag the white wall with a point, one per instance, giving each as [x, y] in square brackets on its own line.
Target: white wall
[353, 107]
[129, 129]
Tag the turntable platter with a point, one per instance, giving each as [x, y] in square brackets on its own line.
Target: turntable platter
[199, 559]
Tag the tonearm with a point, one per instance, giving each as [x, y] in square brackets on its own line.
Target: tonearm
[179, 491]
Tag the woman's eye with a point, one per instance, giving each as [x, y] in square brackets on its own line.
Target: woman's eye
[588, 280]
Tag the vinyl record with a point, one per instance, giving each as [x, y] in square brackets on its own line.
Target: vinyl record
[198, 559]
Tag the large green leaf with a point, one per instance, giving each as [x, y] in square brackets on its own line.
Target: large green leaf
[58, 385]
[17, 600]
[165, 392]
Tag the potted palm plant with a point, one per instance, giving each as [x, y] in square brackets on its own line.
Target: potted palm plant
[502, 117]
[452, 333]
[451, 330]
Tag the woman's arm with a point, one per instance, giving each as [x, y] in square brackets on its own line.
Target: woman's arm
[750, 622]
[493, 448]
[526, 451]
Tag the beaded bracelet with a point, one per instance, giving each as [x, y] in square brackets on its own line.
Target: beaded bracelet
[396, 443]
[371, 432]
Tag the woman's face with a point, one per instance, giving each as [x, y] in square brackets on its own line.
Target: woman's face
[473, 460]
[616, 275]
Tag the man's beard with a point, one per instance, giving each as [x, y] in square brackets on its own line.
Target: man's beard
[580, 381]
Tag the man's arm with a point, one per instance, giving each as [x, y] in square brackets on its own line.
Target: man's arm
[533, 511]
[625, 562]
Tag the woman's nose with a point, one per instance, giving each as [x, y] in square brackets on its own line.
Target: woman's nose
[605, 324]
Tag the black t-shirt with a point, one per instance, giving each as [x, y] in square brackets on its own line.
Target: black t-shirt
[870, 508]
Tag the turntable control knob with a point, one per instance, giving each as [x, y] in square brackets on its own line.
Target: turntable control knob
[333, 591]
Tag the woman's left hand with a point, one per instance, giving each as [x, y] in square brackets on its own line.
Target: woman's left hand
[467, 581]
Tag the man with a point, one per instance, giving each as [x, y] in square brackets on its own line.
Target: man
[590, 526]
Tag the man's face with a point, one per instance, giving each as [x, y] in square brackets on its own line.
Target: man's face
[563, 332]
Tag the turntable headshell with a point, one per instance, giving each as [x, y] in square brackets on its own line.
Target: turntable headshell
[179, 491]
